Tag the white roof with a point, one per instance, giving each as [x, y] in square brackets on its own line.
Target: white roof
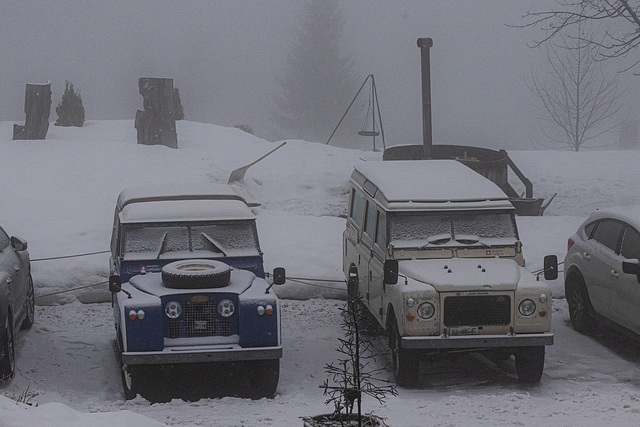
[185, 211]
[629, 214]
[184, 191]
[182, 203]
[439, 183]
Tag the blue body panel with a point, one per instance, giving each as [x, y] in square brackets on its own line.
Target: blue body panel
[258, 330]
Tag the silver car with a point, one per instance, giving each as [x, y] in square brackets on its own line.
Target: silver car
[602, 271]
[17, 301]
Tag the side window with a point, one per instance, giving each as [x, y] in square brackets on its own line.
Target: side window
[381, 233]
[630, 248]
[608, 233]
[370, 221]
[4, 240]
[588, 229]
[357, 206]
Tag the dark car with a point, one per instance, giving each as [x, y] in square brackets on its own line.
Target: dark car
[17, 300]
[602, 271]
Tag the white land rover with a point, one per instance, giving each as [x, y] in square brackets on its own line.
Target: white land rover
[450, 234]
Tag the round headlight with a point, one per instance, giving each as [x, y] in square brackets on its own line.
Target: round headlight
[426, 310]
[226, 308]
[527, 307]
[173, 309]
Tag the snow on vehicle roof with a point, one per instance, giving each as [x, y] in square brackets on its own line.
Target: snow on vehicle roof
[185, 191]
[629, 214]
[185, 211]
[431, 181]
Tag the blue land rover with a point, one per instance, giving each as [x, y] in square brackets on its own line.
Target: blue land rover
[188, 285]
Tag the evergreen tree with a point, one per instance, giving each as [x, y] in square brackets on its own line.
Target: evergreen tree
[177, 105]
[319, 82]
[70, 110]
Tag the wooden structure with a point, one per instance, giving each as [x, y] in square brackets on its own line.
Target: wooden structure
[37, 107]
[156, 124]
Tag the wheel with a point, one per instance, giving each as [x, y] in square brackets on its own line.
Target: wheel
[132, 379]
[580, 309]
[352, 284]
[263, 377]
[29, 306]
[530, 363]
[406, 363]
[8, 363]
[196, 274]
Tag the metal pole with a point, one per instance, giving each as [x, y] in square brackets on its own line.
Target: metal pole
[427, 138]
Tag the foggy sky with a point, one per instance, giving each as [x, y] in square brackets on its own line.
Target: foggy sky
[224, 57]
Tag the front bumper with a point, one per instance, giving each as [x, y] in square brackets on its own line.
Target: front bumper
[201, 354]
[477, 341]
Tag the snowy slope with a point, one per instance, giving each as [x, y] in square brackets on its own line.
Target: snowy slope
[60, 193]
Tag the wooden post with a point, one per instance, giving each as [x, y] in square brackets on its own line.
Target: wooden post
[37, 106]
[156, 124]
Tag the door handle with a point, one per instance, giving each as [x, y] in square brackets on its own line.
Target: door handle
[16, 267]
[615, 274]
[8, 279]
[587, 256]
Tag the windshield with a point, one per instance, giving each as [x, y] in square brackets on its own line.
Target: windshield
[238, 238]
[464, 228]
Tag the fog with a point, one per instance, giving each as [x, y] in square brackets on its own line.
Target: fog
[224, 57]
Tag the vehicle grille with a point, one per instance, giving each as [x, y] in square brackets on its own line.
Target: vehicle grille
[477, 310]
[199, 320]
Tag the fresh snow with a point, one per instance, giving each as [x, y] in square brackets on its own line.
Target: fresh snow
[60, 195]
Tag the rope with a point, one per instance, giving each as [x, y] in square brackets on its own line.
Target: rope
[69, 256]
[71, 290]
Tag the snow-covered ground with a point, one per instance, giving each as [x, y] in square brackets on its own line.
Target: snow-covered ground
[60, 193]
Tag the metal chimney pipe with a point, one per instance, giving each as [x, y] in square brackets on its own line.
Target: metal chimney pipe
[427, 138]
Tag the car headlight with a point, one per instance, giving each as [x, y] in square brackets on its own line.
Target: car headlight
[226, 308]
[527, 307]
[426, 310]
[173, 309]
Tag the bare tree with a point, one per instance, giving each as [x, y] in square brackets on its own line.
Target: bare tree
[619, 16]
[578, 97]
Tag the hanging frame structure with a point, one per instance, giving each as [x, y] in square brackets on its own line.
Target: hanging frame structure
[374, 106]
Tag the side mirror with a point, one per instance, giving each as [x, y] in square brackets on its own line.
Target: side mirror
[550, 267]
[279, 276]
[18, 243]
[631, 266]
[115, 284]
[391, 271]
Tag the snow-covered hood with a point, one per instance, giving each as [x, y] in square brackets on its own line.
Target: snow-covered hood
[464, 274]
[151, 283]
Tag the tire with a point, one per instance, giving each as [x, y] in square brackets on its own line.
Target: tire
[530, 363]
[580, 309]
[352, 284]
[132, 380]
[8, 363]
[29, 306]
[196, 274]
[263, 378]
[406, 363]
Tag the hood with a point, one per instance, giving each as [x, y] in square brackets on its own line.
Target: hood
[151, 283]
[464, 274]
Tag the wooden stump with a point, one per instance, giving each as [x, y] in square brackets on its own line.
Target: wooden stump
[37, 106]
[156, 124]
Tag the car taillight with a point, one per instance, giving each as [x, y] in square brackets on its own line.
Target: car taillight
[569, 244]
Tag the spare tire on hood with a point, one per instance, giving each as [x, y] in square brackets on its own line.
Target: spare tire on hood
[196, 274]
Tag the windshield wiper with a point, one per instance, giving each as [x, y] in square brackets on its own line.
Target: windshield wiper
[438, 239]
[470, 239]
[162, 244]
[216, 245]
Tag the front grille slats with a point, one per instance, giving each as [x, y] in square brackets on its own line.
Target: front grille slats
[477, 310]
[199, 319]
